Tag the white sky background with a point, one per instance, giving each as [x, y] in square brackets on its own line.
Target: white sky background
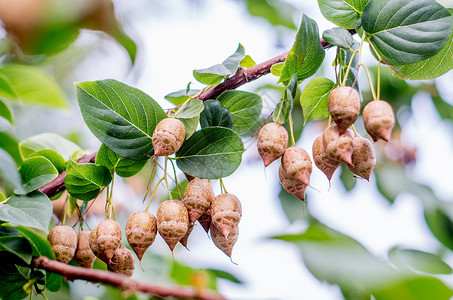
[178, 39]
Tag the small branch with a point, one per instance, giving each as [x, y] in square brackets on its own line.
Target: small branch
[120, 281]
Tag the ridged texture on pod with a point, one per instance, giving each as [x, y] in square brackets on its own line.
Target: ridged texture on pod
[297, 164]
[122, 262]
[363, 157]
[197, 197]
[226, 212]
[205, 219]
[105, 239]
[141, 230]
[291, 184]
[339, 147]
[63, 240]
[172, 221]
[224, 243]
[322, 161]
[379, 119]
[185, 238]
[272, 142]
[344, 106]
[83, 255]
[168, 137]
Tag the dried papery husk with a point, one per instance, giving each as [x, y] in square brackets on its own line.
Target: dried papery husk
[83, 255]
[224, 243]
[122, 262]
[363, 157]
[226, 212]
[172, 221]
[344, 106]
[330, 134]
[379, 118]
[105, 239]
[63, 240]
[272, 142]
[292, 185]
[185, 238]
[168, 137]
[198, 196]
[297, 164]
[141, 230]
[340, 149]
[322, 161]
[205, 220]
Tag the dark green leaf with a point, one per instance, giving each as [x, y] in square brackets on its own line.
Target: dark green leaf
[276, 12]
[56, 159]
[439, 220]
[344, 13]
[338, 37]
[123, 167]
[5, 112]
[121, 117]
[32, 210]
[314, 98]
[192, 109]
[214, 114]
[18, 246]
[35, 172]
[190, 125]
[212, 152]
[33, 86]
[245, 107]
[419, 260]
[84, 181]
[50, 141]
[179, 97]
[12, 280]
[307, 53]
[8, 170]
[407, 31]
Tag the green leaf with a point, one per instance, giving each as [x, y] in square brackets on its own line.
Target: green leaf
[439, 220]
[121, 117]
[291, 205]
[12, 280]
[214, 114]
[50, 141]
[84, 181]
[247, 62]
[7, 90]
[32, 210]
[215, 74]
[284, 107]
[314, 98]
[10, 144]
[179, 97]
[212, 152]
[347, 178]
[56, 159]
[245, 107]
[5, 112]
[419, 260]
[224, 275]
[190, 125]
[276, 12]
[8, 170]
[123, 167]
[33, 86]
[407, 31]
[2, 197]
[338, 37]
[36, 172]
[307, 53]
[429, 68]
[344, 13]
[18, 246]
[276, 69]
[192, 109]
[444, 109]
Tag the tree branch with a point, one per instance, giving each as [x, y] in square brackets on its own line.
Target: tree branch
[121, 281]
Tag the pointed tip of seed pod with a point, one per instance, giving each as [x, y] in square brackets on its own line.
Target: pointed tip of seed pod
[157, 151]
[347, 159]
[304, 179]
[384, 135]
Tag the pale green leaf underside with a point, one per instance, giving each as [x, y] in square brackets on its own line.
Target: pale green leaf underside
[49, 141]
[8, 170]
[338, 37]
[314, 99]
[344, 13]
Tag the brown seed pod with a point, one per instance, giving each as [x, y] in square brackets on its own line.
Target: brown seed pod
[63, 240]
[172, 221]
[272, 142]
[226, 212]
[185, 238]
[291, 184]
[379, 119]
[168, 136]
[122, 262]
[105, 239]
[363, 157]
[205, 219]
[224, 243]
[197, 197]
[141, 230]
[344, 106]
[330, 134]
[83, 255]
[322, 161]
[340, 149]
[297, 164]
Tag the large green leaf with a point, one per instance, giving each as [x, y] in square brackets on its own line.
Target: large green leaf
[212, 152]
[190, 124]
[18, 246]
[214, 114]
[121, 117]
[56, 159]
[344, 13]
[84, 181]
[276, 12]
[9, 143]
[7, 90]
[36, 172]
[32, 210]
[419, 260]
[245, 107]
[49, 141]
[307, 53]
[12, 280]
[5, 112]
[314, 98]
[407, 31]
[123, 167]
[32, 86]
[8, 170]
